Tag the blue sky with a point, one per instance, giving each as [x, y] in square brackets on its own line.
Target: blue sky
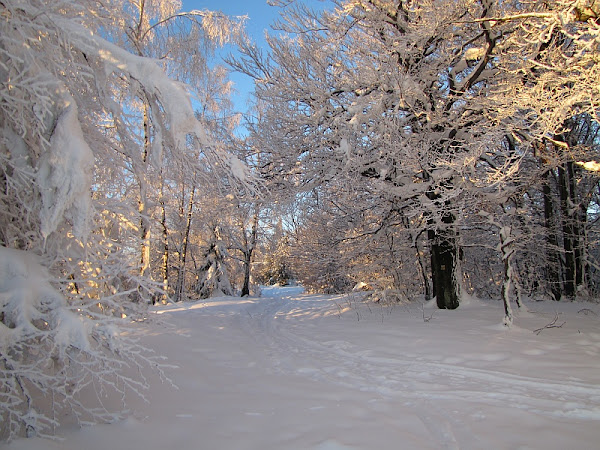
[260, 17]
[260, 14]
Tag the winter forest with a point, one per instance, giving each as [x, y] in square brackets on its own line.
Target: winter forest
[407, 150]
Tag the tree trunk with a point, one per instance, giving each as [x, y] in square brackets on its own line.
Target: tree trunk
[251, 242]
[444, 268]
[568, 232]
[444, 251]
[143, 201]
[581, 246]
[165, 243]
[179, 288]
[553, 259]
[508, 250]
[247, 262]
[573, 227]
[144, 235]
[423, 270]
[578, 217]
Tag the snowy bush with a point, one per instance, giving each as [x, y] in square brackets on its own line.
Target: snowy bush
[212, 277]
[56, 358]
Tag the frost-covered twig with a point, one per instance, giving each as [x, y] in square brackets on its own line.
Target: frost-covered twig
[350, 306]
[425, 318]
[340, 311]
[550, 325]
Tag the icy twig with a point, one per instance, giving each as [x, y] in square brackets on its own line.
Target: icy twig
[339, 310]
[425, 318]
[550, 325]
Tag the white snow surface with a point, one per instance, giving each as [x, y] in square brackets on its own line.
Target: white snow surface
[296, 371]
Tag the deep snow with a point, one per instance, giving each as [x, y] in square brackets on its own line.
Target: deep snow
[296, 371]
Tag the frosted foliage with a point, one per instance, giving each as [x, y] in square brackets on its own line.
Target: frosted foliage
[81, 114]
[76, 82]
[65, 107]
[158, 10]
[50, 350]
[213, 279]
[552, 58]
[65, 175]
[172, 96]
[421, 108]
[241, 173]
[30, 305]
[38, 334]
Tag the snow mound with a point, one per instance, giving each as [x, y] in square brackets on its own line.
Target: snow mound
[31, 306]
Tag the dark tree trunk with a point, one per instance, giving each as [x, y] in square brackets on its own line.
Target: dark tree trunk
[444, 253]
[570, 269]
[573, 230]
[581, 245]
[578, 219]
[423, 270]
[179, 288]
[246, 284]
[553, 259]
[250, 244]
[444, 265]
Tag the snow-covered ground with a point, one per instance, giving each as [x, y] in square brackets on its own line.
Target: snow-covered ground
[296, 371]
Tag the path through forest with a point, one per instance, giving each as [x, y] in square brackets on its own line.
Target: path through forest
[296, 371]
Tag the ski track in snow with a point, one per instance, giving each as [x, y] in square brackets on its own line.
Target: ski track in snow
[296, 371]
[420, 384]
[346, 364]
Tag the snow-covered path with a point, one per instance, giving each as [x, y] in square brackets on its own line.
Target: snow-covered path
[294, 371]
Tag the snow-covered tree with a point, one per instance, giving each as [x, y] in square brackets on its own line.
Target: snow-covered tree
[196, 189]
[385, 91]
[433, 111]
[549, 51]
[183, 43]
[212, 277]
[548, 105]
[70, 141]
[275, 266]
[242, 236]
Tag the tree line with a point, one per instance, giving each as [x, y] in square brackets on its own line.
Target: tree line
[437, 148]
